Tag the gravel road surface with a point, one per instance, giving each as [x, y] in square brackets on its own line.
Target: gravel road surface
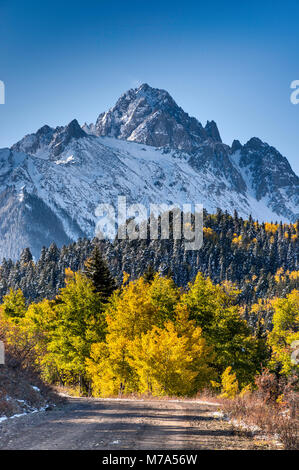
[83, 423]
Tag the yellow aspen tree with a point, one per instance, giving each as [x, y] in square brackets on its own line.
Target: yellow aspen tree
[229, 383]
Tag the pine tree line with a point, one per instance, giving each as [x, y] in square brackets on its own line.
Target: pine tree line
[242, 251]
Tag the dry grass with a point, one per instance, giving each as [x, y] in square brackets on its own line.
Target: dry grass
[272, 409]
[277, 420]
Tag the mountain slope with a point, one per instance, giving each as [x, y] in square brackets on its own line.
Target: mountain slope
[146, 148]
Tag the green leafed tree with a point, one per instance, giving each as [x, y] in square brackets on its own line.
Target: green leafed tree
[14, 305]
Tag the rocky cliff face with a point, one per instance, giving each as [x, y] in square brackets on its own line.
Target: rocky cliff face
[146, 148]
[269, 176]
[150, 116]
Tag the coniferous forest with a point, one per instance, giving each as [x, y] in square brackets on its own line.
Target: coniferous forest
[262, 259]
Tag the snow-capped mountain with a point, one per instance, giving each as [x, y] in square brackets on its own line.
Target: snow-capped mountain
[150, 116]
[146, 148]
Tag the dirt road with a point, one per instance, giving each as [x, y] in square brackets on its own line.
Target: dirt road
[100, 424]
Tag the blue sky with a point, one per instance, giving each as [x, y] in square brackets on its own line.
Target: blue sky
[224, 60]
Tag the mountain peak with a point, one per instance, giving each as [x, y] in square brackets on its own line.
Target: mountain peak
[155, 98]
[151, 116]
[64, 135]
[150, 91]
[236, 145]
[144, 87]
[255, 143]
[44, 130]
[47, 137]
[73, 129]
[212, 131]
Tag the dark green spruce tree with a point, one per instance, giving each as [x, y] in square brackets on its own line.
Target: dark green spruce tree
[96, 269]
[149, 273]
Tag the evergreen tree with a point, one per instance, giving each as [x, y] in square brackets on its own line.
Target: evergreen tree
[26, 256]
[97, 271]
[149, 273]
